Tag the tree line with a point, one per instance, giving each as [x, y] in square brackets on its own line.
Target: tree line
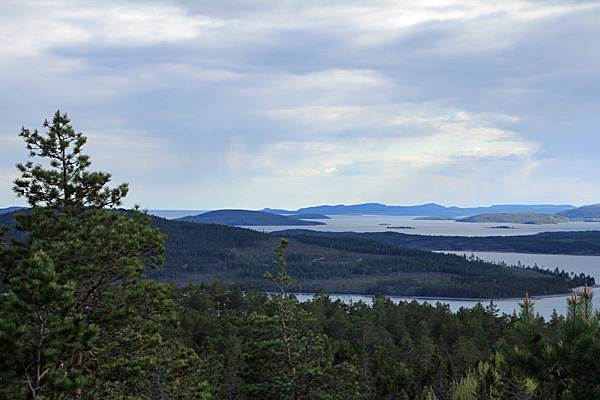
[575, 243]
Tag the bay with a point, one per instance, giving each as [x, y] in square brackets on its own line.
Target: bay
[544, 305]
[589, 265]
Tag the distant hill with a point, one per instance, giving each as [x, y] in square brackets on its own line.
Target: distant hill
[422, 210]
[170, 214]
[582, 213]
[11, 209]
[516, 218]
[246, 218]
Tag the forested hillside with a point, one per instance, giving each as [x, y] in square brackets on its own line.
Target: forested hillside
[206, 252]
[585, 213]
[365, 263]
[575, 243]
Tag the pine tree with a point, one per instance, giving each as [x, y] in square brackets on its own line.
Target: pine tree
[77, 317]
[563, 362]
[285, 358]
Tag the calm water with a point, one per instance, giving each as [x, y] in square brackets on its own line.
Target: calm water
[380, 223]
[590, 265]
[544, 307]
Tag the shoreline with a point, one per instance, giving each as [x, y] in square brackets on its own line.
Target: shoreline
[468, 299]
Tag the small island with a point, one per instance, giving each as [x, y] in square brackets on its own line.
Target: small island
[581, 214]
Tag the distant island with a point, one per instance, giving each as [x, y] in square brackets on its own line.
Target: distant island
[580, 214]
[422, 210]
[516, 218]
[247, 218]
[429, 211]
[585, 213]
[508, 213]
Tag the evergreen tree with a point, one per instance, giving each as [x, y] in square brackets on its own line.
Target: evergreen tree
[77, 317]
[285, 358]
[562, 362]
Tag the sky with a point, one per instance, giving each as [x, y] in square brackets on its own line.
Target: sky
[251, 104]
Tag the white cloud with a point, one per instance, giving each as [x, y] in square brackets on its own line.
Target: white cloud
[441, 142]
[359, 100]
[40, 26]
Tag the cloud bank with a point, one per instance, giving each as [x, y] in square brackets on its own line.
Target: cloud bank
[204, 105]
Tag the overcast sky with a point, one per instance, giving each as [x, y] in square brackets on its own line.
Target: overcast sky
[287, 104]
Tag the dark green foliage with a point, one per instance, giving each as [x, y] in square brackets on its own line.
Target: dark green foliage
[388, 350]
[67, 186]
[77, 317]
[196, 248]
[346, 265]
[413, 272]
[340, 351]
[287, 359]
[561, 358]
[576, 243]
